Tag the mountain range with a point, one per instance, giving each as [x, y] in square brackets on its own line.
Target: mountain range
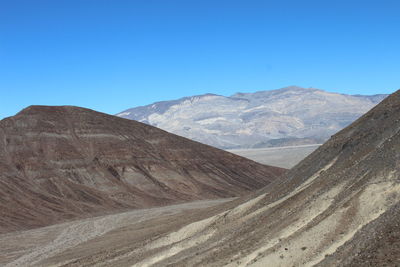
[283, 117]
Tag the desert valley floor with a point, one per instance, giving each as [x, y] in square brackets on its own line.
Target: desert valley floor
[284, 157]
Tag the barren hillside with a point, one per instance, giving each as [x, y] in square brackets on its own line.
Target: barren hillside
[62, 163]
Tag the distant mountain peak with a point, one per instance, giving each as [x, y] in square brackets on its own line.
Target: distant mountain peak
[255, 119]
[295, 87]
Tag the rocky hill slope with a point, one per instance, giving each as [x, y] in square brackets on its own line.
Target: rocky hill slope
[288, 116]
[61, 163]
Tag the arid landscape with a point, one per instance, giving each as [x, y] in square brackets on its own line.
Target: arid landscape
[212, 133]
[337, 207]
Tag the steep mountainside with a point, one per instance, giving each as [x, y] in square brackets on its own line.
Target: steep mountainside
[287, 116]
[59, 163]
[338, 207]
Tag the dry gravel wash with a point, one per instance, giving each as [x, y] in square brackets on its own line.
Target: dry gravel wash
[30, 248]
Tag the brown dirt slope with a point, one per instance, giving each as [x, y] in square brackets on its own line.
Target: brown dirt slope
[61, 163]
[338, 207]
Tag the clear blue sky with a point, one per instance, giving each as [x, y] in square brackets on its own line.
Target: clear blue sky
[112, 55]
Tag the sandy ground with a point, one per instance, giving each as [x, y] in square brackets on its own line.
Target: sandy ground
[46, 242]
[284, 157]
